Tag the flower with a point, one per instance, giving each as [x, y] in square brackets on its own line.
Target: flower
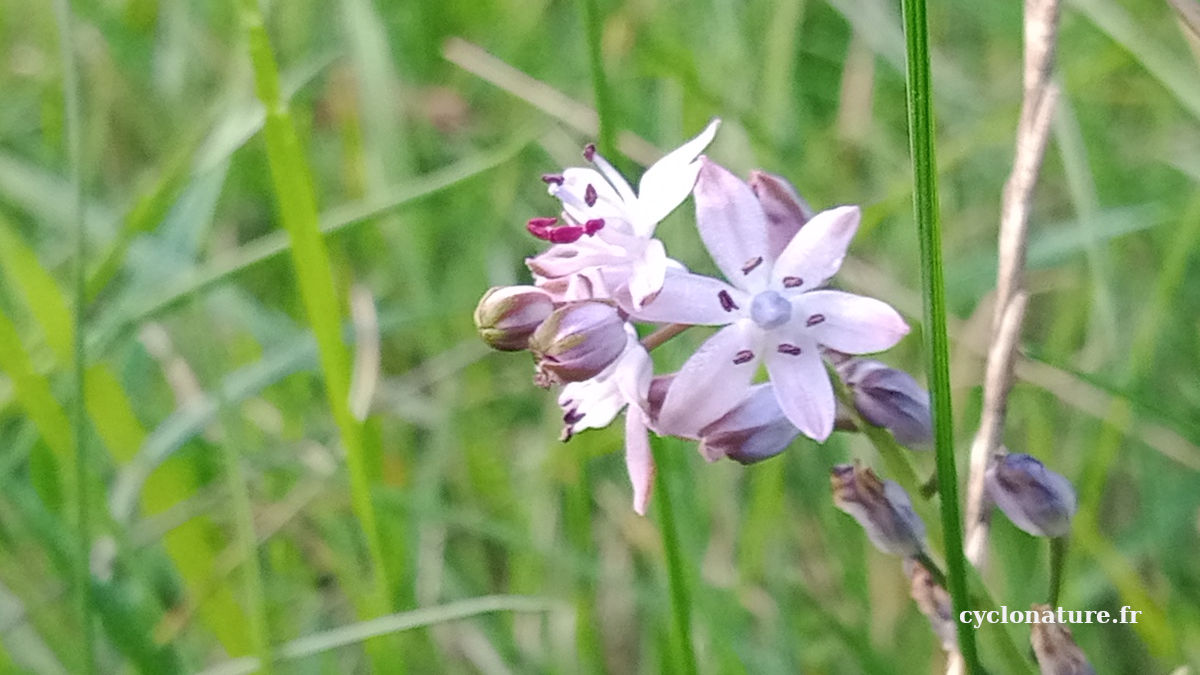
[1036, 499]
[605, 246]
[772, 310]
[577, 342]
[594, 403]
[889, 398]
[754, 430]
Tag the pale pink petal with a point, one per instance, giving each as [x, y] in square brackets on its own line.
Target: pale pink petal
[634, 370]
[639, 461]
[802, 386]
[574, 193]
[646, 279]
[696, 300]
[713, 380]
[848, 323]
[615, 179]
[817, 250]
[667, 183]
[733, 227]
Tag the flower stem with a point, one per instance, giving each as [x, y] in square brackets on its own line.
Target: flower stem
[681, 602]
[658, 337]
[1058, 563]
[925, 206]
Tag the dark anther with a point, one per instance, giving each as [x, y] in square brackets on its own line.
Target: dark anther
[744, 356]
[789, 349]
[589, 151]
[750, 264]
[552, 178]
[815, 319]
[792, 282]
[727, 302]
[589, 195]
[593, 226]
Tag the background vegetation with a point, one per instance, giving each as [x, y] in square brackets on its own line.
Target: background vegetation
[228, 485]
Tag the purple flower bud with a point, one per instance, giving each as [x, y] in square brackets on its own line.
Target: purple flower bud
[786, 211]
[1033, 497]
[934, 602]
[754, 430]
[1055, 648]
[508, 315]
[889, 398]
[881, 507]
[577, 341]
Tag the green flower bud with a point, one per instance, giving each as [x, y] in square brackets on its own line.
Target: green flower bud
[508, 315]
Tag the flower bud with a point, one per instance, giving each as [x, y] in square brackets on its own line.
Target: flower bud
[881, 507]
[756, 429]
[1055, 648]
[889, 398]
[786, 212]
[508, 315]
[1033, 497]
[577, 341]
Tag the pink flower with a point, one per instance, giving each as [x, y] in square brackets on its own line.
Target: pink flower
[594, 403]
[773, 310]
[604, 246]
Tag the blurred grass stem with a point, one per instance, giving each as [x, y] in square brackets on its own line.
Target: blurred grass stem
[681, 600]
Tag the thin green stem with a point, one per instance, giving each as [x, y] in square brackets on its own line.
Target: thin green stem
[1058, 563]
[83, 577]
[925, 206]
[577, 519]
[594, 25]
[681, 601]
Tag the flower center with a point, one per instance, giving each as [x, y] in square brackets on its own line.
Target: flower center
[770, 310]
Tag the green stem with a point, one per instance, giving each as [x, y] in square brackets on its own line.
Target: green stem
[681, 601]
[594, 25]
[83, 577]
[925, 207]
[1058, 563]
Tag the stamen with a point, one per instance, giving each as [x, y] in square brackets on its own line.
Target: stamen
[727, 302]
[789, 349]
[792, 282]
[750, 264]
[565, 234]
[541, 227]
[572, 417]
[814, 320]
[593, 226]
[543, 222]
[589, 195]
[589, 151]
[744, 356]
[552, 178]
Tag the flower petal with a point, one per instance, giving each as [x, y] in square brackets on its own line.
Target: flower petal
[639, 461]
[853, 324]
[667, 183]
[713, 380]
[646, 279]
[817, 250]
[786, 211]
[802, 387]
[733, 226]
[693, 299]
[582, 185]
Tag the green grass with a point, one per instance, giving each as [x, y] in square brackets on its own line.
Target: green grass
[233, 190]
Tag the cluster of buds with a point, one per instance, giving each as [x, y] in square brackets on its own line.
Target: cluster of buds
[605, 272]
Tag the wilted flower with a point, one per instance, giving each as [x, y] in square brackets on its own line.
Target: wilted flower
[772, 310]
[1055, 648]
[605, 245]
[1036, 499]
[577, 341]
[889, 398]
[756, 429]
[594, 403]
[934, 602]
[881, 507]
[508, 315]
[785, 210]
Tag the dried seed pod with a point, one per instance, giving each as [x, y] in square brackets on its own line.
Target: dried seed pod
[881, 507]
[1055, 648]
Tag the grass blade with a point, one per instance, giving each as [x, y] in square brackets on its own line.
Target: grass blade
[681, 600]
[937, 347]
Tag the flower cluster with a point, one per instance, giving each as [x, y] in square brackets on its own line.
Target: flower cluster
[604, 271]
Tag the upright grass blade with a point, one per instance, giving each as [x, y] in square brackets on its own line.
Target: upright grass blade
[937, 347]
[62, 12]
[297, 210]
[681, 599]
[606, 138]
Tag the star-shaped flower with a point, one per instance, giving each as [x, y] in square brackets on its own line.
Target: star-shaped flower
[773, 308]
[604, 246]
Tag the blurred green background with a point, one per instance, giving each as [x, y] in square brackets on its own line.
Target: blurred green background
[223, 516]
